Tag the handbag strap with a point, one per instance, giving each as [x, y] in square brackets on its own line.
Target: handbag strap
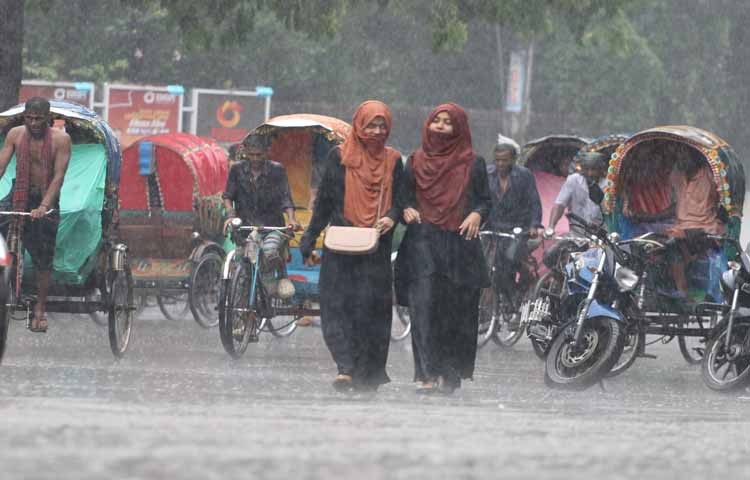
[380, 200]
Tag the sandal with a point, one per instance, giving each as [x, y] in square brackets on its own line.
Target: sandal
[342, 383]
[427, 388]
[41, 325]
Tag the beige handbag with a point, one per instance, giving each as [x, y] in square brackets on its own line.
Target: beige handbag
[354, 240]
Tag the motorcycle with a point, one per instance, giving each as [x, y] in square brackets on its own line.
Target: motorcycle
[550, 303]
[726, 363]
[585, 348]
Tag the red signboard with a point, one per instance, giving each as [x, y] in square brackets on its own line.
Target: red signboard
[64, 92]
[135, 112]
[227, 116]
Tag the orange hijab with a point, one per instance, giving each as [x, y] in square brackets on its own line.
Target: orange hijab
[368, 163]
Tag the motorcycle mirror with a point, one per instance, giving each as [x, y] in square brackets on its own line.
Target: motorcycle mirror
[614, 237]
[549, 233]
[517, 231]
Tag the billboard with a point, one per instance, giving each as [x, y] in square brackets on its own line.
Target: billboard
[516, 82]
[81, 93]
[135, 111]
[227, 115]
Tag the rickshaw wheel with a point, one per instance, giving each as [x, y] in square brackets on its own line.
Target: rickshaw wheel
[4, 317]
[121, 310]
[401, 323]
[692, 348]
[238, 323]
[203, 294]
[173, 307]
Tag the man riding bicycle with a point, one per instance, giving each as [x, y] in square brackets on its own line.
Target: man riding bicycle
[515, 203]
[257, 192]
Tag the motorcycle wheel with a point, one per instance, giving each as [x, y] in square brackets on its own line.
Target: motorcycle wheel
[603, 339]
[720, 372]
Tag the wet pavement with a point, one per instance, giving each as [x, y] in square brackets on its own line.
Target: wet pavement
[178, 407]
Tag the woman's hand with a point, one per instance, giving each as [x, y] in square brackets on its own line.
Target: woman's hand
[384, 225]
[411, 215]
[312, 260]
[469, 229]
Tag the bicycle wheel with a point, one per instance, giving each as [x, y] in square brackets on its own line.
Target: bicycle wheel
[173, 306]
[203, 295]
[487, 317]
[121, 310]
[4, 316]
[239, 322]
[401, 323]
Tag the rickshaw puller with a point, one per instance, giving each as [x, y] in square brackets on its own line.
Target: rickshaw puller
[257, 192]
[42, 156]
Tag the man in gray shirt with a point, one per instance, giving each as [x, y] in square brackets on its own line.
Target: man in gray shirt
[574, 194]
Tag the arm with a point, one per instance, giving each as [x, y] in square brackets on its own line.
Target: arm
[286, 200]
[407, 195]
[555, 215]
[230, 192]
[480, 201]
[6, 153]
[561, 202]
[324, 204]
[535, 204]
[389, 218]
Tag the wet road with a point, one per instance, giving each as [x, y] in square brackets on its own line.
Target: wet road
[178, 407]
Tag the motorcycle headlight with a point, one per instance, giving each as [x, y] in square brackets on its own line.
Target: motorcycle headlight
[626, 278]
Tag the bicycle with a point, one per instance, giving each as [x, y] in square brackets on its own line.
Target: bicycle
[247, 304]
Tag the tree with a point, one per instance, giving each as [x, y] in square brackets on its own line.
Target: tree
[11, 47]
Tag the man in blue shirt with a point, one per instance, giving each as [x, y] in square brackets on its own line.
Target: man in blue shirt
[515, 203]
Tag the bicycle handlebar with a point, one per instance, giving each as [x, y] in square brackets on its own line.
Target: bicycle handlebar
[24, 214]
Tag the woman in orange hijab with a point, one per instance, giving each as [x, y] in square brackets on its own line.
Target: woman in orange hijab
[356, 290]
[440, 266]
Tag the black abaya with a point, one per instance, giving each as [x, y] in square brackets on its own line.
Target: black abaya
[355, 290]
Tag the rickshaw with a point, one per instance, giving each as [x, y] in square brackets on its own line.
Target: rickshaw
[639, 205]
[171, 214]
[550, 159]
[91, 269]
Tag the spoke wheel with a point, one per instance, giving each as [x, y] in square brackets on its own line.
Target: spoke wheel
[121, 310]
[4, 315]
[578, 368]
[283, 325]
[239, 323]
[487, 318]
[401, 323]
[634, 344]
[204, 294]
[692, 348]
[510, 327]
[174, 307]
[725, 369]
